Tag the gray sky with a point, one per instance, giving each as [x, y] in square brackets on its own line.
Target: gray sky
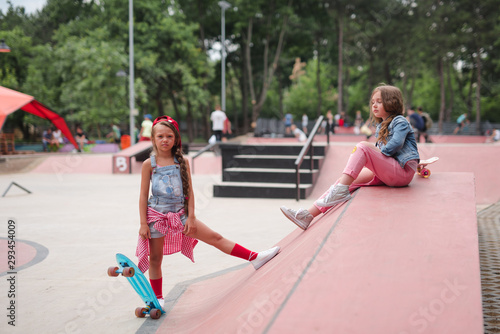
[31, 6]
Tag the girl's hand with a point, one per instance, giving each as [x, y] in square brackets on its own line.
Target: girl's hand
[190, 228]
[144, 232]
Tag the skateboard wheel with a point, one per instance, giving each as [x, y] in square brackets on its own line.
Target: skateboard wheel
[426, 173]
[140, 312]
[128, 272]
[112, 271]
[155, 313]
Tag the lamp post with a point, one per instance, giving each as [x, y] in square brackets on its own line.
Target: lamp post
[131, 69]
[223, 5]
[4, 47]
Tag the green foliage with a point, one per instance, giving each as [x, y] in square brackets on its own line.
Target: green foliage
[81, 81]
[15, 63]
[426, 93]
[302, 96]
[67, 56]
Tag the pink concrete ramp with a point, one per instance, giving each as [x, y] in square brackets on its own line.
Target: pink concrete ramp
[479, 159]
[391, 260]
[75, 164]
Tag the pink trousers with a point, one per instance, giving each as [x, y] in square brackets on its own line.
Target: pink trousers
[375, 169]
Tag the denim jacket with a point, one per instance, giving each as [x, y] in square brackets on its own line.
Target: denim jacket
[401, 143]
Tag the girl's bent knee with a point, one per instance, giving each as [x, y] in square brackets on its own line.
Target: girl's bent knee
[363, 144]
[217, 237]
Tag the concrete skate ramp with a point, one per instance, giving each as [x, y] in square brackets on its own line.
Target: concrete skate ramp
[391, 260]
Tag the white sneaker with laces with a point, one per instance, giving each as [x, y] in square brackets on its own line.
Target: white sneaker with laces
[336, 195]
[302, 218]
[264, 257]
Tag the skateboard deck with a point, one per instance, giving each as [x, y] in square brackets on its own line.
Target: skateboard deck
[421, 168]
[140, 284]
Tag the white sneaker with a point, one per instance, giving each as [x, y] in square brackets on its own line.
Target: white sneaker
[302, 218]
[263, 257]
[336, 195]
[162, 303]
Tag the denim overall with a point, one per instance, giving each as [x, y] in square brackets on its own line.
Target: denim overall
[166, 189]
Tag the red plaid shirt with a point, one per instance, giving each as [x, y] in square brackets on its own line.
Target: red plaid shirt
[169, 224]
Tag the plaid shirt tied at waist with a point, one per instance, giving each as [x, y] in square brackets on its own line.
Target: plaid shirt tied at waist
[169, 224]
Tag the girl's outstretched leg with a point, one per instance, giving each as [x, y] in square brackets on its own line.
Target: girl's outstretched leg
[209, 236]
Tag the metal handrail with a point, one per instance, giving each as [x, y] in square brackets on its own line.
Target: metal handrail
[200, 152]
[307, 147]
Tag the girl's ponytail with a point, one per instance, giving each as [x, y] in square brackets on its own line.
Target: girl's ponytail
[184, 176]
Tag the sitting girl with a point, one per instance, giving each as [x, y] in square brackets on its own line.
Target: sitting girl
[392, 161]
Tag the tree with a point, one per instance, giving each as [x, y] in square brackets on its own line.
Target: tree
[82, 81]
[302, 94]
[443, 55]
[268, 11]
[481, 18]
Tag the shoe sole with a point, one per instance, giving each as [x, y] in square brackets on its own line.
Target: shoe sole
[294, 220]
[331, 204]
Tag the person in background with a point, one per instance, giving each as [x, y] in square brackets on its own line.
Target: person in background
[331, 121]
[81, 137]
[218, 117]
[58, 136]
[226, 132]
[342, 122]
[305, 123]
[49, 140]
[299, 134]
[358, 122]
[146, 125]
[462, 122]
[427, 123]
[288, 120]
[417, 122]
[115, 134]
[493, 136]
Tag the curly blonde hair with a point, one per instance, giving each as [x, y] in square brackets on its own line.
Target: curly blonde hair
[177, 153]
[392, 100]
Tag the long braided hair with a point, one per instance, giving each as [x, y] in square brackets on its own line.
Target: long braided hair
[177, 153]
[392, 100]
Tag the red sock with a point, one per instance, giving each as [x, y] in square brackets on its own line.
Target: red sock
[157, 284]
[243, 253]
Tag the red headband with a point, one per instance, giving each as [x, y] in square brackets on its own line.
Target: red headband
[169, 119]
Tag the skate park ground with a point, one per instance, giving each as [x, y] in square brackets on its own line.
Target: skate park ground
[79, 215]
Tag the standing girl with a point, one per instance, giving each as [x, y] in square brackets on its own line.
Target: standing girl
[392, 161]
[168, 221]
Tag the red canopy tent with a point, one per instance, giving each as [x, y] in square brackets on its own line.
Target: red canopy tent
[11, 100]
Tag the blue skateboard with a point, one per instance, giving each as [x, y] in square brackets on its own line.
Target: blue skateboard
[140, 284]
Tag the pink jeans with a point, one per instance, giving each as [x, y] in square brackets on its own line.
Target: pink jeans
[379, 169]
